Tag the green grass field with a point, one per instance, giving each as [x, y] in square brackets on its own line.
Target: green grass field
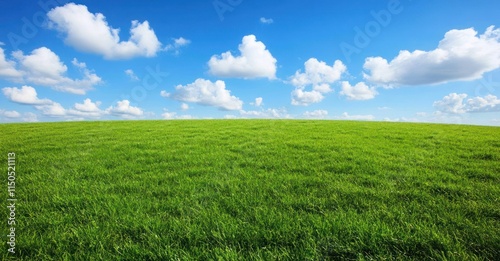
[253, 190]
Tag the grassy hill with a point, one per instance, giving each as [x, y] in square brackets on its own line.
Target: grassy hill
[253, 190]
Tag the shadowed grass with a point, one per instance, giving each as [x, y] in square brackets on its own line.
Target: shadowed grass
[254, 190]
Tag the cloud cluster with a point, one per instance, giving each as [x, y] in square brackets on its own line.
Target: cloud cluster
[347, 116]
[264, 20]
[87, 109]
[27, 95]
[458, 104]
[130, 73]
[43, 67]
[91, 33]
[207, 93]
[318, 73]
[255, 61]
[174, 116]
[14, 115]
[125, 110]
[10, 114]
[177, 45]
[266, 114]
[8, 68]
[320, 76]
[258, 102]
[165, 94]
[358, 92]
[317, 114]
[305, 98]
[461, 55]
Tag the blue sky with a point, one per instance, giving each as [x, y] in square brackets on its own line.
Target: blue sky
[387, 60]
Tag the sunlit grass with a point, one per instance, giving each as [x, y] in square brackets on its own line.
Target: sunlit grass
[254, 189]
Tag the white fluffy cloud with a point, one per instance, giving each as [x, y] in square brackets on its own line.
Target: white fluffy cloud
[177, 45]
[125, 110]
[461, 55]
[27, 95]
[10, 114]
[457, 104]
[88, 106]
[318, 73]
[266, 114]
[80, 111]
[184, 106]
[483, 104]
[255, 61]
[53, 110]
[181, 41]
[258, 102]
[205, 92]
[165, 94]
[24, 95]
[185, 117]
[320, 76]
[173, 116]
[130, 73]
[266, 20]
[452, 103]
[168, 115]
[90, 32]
[317, 114]
[346, 116]
[30, 117]
[305, 98]
[87, 109]
[14, 115]
[359, 92]
[404, 119]
[8, 68]
[44, 67]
